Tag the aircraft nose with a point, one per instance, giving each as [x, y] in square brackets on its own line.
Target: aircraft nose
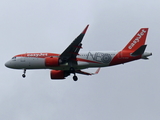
[7, 64]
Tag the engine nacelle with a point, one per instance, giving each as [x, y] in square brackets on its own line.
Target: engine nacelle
[52, 61]
[57, 74]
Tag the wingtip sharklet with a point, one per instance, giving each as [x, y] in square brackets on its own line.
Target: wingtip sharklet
[84, 31]
[97, 71]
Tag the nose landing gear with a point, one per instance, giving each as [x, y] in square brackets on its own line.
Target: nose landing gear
[24, 73]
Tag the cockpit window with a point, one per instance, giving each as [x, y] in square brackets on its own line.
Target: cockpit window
[14, 58]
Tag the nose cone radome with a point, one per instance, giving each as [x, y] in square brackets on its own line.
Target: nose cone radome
[7, 64]
[10, 64]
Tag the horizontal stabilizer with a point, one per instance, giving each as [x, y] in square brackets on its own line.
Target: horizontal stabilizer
[139, 51]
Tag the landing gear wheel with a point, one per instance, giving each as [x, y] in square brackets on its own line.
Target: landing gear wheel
[75, 78]
[23, 75]
[72, 70]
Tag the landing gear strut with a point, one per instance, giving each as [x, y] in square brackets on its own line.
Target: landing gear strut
[24, 73]
[72, 70]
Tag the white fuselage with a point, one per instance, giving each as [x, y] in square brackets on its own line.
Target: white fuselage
[84, 60]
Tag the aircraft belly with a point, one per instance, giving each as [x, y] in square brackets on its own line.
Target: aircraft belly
[80, 65]
[83, 65]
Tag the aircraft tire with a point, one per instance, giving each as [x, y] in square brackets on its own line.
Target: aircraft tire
[23, 75]
[75, 78]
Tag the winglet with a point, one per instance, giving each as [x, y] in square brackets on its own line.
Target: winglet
[96, 71]
[84, 31]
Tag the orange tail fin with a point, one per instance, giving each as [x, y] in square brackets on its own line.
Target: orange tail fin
[137, 41]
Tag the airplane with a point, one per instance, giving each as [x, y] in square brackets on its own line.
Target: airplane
[70, 61]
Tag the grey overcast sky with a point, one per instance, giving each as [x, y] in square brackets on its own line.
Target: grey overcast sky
[124, 92]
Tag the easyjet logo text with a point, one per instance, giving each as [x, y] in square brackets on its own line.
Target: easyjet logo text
[37, 55]
[137, 39]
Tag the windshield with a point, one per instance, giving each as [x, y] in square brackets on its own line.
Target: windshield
[13, 58]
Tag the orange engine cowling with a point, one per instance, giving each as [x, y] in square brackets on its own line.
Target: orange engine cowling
[57, 74]
[52, 61]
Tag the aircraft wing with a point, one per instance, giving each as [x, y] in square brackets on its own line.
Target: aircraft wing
[86, 73]
[72, 50]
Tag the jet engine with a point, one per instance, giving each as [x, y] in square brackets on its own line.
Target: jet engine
[58, 74]
[51, 61]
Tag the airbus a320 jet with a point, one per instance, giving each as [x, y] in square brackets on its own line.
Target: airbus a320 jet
[71, 61]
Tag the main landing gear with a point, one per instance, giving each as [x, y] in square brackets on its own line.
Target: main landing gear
[24, 73]
[72, 70]
[75, 78]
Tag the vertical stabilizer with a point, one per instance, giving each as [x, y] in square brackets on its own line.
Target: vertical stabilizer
[137, 41]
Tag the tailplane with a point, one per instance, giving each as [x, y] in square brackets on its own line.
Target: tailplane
[139, 51]
[138, 41]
